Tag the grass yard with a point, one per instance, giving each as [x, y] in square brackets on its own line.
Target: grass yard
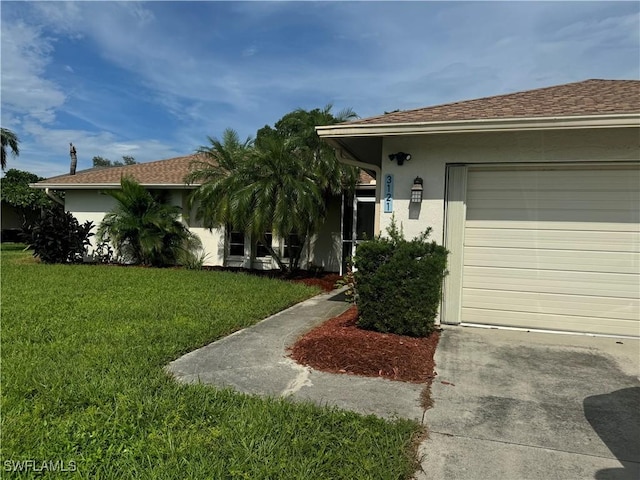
[82, 352]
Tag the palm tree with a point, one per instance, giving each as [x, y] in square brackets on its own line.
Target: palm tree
[281, 183]
[218, 165]
[299, 126]
[10, 140]
[144, 228]
[260, 190]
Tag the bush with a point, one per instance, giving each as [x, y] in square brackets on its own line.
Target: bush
[57, 237]
[399, 283]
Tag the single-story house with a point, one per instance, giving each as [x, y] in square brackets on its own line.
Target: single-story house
[536, 195]
[328, 250]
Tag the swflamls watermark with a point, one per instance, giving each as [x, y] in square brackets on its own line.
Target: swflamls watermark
[31, 465]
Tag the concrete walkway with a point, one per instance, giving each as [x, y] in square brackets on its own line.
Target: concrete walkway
[255, 361]
[508, 404]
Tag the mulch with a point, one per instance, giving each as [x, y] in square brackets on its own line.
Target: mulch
[339, 346]
[326, 282]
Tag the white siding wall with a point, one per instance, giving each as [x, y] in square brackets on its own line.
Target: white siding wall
[431, 153]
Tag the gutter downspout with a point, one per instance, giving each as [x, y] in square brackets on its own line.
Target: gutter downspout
[53, 196]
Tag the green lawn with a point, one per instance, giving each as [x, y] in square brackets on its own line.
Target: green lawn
[82, 351]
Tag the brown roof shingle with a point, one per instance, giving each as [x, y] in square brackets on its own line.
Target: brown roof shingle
[162, 172]
[589, 97]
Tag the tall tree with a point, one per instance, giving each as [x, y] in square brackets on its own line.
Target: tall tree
[9, 140]
[15, 190]
[299, 127]
[99, 161]
[144, 228]
[281, 184]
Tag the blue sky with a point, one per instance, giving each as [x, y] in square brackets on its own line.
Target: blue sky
[154, 79]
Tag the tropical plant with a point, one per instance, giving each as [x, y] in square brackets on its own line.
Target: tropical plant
[9, 140]
[144, 228]
[15, 190]
[299, 127]
[58, 237]
[281, 183]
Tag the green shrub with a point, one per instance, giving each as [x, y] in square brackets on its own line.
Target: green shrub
[57, 237]
[399, 283]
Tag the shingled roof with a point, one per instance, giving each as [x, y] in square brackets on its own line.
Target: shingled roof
[589, 97]
[159, 173]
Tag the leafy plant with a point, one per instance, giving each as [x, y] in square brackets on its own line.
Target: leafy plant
[398, 283]
[281, 183]
[103, 253]
[9, 140]
[15, 190]
[193, 259]
[58, 237]
[144, 228]
[348, 281]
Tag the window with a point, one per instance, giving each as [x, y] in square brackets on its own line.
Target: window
[261, 250]
[236, 244]
[292, 246]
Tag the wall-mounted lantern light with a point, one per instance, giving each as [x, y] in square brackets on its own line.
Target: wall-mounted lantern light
[416, 191]
[400, 157]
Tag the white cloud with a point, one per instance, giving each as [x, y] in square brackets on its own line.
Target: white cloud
[367, 55]
[55, 144]
[25, 91]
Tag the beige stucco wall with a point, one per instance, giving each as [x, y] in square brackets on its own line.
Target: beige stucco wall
[431, 153]
[92, 205]
[325, 248]
[88, 205]
[326, 245]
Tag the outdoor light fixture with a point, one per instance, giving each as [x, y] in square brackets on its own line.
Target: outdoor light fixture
[416, 191]
[400, 157]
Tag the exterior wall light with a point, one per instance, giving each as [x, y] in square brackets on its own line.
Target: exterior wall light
[416, 191]
[400, 157]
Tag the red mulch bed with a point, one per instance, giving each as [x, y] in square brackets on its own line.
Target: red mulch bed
[339, 346]
[326, 282]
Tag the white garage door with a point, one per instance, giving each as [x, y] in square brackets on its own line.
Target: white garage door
[553, 248]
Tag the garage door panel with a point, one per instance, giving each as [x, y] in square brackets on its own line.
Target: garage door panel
[541, 281]
[571, 180]
[553, 304]
[551, 322]
[553, 239]
[567, 198]
[557, 215]
[553, 248]
[588, 261]
[591, 226]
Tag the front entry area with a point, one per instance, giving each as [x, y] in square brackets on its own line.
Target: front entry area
[545, 247]
[358, 222]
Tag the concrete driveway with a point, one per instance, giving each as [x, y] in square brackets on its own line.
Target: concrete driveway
[522, 405]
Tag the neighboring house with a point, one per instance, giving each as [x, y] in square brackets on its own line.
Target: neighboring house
[536, 195]
[12, 220]
[84, 198]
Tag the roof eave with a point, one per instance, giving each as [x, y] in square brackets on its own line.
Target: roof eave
[480, 125]
[108, 186]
